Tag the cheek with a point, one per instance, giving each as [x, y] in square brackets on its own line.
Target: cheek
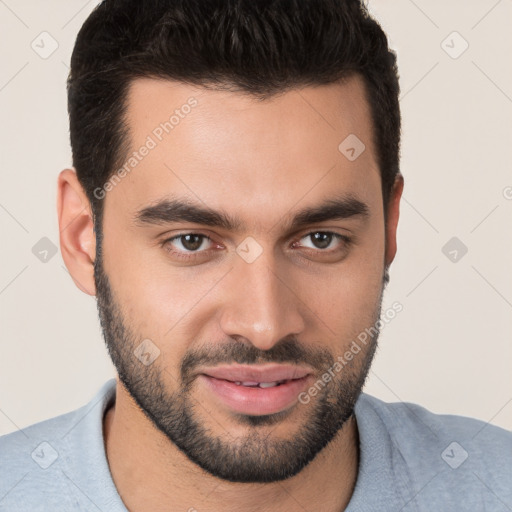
[346, 305]
[160, 301]
[348, 297]
[144, 297]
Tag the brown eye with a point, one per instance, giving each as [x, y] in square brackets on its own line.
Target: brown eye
[187, 245]
[191, 242]
[322, 240]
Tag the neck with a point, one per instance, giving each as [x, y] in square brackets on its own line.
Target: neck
[151, 473]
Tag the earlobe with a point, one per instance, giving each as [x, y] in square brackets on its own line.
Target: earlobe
[76, 231]
[392, 220]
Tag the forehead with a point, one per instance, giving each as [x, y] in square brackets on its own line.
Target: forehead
[254, 157]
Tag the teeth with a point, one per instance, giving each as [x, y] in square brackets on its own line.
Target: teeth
[253, 384]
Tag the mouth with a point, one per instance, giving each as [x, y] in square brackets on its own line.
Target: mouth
[256, 390]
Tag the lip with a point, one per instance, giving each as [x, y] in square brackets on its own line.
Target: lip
[255, 373]
[221, 381]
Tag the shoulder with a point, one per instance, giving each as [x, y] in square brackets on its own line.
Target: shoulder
[415, 419]
[16, 445]
[37, 461]
[442, 454]
[32, 464]
[38, 445]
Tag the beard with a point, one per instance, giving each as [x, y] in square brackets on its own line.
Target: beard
[255, 457]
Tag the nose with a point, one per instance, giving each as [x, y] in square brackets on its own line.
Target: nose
[260, 303]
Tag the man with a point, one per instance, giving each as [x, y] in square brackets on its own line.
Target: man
[234, 209]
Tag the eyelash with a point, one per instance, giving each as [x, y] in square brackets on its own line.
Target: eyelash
[194, 254]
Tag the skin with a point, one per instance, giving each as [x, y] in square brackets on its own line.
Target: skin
[285, 152]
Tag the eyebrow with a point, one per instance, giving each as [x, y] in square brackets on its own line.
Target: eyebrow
[169, 210]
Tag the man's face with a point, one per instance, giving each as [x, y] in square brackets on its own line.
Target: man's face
[266, 295]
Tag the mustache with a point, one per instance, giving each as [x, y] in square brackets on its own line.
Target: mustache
[288, 350]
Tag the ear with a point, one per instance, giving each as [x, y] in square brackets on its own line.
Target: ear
[77, 238]
[392, 220]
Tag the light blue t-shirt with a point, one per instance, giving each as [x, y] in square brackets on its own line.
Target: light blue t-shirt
[410, 460]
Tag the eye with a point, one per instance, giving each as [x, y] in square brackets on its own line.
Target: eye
[190, 243]
[321, 240]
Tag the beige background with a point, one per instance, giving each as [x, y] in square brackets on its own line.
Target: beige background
[449, 349]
